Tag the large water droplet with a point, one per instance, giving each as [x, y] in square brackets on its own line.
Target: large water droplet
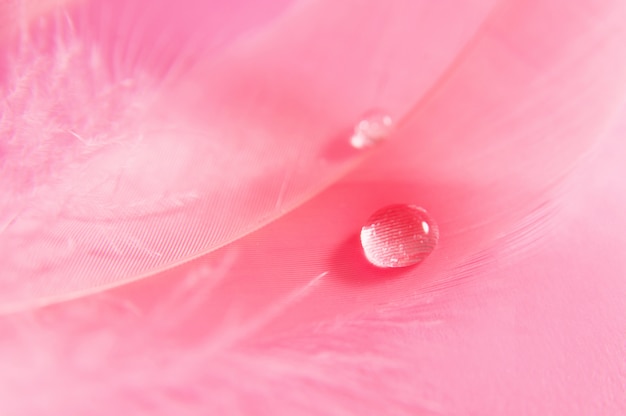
[371, 130]
[399, 236]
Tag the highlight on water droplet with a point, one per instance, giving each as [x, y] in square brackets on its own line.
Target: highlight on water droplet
[371, 130]
[399, 236]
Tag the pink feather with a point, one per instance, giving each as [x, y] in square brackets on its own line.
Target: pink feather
[198, 154]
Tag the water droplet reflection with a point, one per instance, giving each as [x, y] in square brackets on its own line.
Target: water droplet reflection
[371, 130]
[399, 236]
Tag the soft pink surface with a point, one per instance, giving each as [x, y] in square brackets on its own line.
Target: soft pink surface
[155, 135]
[506, 135]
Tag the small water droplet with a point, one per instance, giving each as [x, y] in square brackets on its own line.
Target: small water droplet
[373, 129]
[399, 236]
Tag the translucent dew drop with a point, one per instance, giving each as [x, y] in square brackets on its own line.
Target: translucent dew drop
[372, 130]
[399, 236]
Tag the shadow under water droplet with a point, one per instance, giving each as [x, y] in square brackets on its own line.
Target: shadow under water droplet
[349, 264]
[339, 147]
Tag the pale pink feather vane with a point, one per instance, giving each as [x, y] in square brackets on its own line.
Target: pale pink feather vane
[240, 149]
[183, 187]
